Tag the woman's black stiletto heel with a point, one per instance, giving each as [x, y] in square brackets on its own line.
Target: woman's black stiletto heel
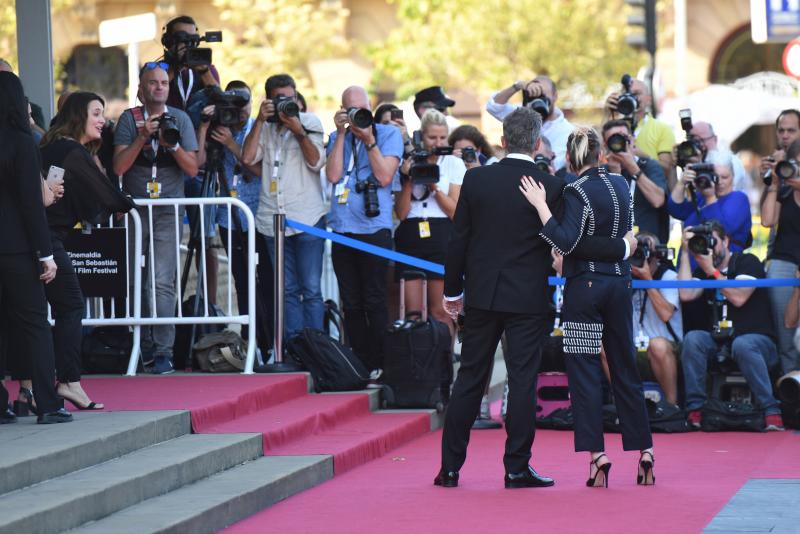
[593, 482]
[646, 475]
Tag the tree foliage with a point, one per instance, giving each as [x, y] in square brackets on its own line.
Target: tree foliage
[487, 44]
[264, 37]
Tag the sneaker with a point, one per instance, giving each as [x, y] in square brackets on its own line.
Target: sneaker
[163, 366]
[694, 419]
[773, 422]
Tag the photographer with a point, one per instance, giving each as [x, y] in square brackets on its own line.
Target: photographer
[645, 179]
[656, 316]
[426, 212]
[154, 146]
[540, 90]
[362, 163]
[432, 98]
[654, 138]
[393, 116]
[781, 208]
[739, 323]
[703, 134]
[180, 34]
[288, 144]
[471, 146]
[787, 131]
[705, 192]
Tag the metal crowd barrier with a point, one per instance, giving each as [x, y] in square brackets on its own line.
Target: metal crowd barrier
[95, 314]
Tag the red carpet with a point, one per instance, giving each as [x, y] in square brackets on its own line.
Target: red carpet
[696, 475]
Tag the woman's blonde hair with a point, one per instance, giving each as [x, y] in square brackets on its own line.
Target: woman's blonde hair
[583, 147]
[432, 117]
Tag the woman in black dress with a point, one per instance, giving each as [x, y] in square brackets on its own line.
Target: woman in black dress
[70, 144]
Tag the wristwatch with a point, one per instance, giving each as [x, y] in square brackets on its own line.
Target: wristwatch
[174, 148]
[636, 175]
[371, 146]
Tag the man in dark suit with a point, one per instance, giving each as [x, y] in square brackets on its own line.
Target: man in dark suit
[497, 259]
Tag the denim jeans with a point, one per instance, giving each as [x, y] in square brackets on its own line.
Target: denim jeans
[779, 297]
[754, 354]
[303, 280]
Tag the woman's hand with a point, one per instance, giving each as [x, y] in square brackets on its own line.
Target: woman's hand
[534, 192]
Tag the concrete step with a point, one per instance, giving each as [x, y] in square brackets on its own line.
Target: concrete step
[220, 500]
[33, 453]
[95, 492]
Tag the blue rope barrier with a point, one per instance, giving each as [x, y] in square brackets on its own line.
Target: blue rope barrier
[553, 280]
[366, 247]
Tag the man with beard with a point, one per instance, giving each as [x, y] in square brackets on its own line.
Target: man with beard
[743, 312]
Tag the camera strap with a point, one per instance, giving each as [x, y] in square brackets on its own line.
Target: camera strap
[153, 187]
[277, 149]
[185, 93]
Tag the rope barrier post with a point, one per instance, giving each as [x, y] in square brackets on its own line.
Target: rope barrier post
[279, 366]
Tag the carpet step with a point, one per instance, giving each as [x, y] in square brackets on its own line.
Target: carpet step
[216, 502]
[298, 418]
[95, 492]
[33, 453]
[361, 439]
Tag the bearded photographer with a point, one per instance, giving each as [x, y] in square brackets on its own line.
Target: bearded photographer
[541, 95]
[426, 212]
[363, 158]
[180, 34]
[288, 144]
[787, 131]
[645, 178]
[705, 192]
[654, 138]
[471, 146]
[781, 208]
[738, 321]
[656, 316]
[155, 145]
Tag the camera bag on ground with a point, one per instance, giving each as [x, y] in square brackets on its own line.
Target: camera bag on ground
[417, 357]
[333, 366]
[333, 322]
[106, 350]
[558, 419]
[719, 416]
[182, 346]
[221, 352]
[666, 418]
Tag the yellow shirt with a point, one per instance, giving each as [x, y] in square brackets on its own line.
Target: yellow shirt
[654, 137]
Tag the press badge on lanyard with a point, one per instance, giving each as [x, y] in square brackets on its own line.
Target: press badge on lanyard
[341, 191]
[424, 229]
[153, 186]
[237, 176]
[276, 163]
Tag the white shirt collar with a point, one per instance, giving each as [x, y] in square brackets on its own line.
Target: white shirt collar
[517, 155]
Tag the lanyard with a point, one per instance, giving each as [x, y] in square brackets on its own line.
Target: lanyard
[185, 93]
[353, 166]
[154, 145]
[277, 148]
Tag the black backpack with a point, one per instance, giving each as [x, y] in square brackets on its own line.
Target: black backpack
[666, 418]
[333, 366]
[106, 350]
[719, 416]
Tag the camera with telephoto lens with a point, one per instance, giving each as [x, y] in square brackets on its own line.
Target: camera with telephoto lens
[643, 253]
[360, 117]
[690, 148]
[468, 155]
[703, 240]
[786, 169]
[227, 106]
[542, 162]
[369, 188]
[168, 129]
[705, 177]
[627, 103]
[192, 56]
[540, 104]
[286, 105]
[617, 143]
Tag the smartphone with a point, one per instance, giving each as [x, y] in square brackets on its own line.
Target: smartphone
[55, 175]
[396, 114]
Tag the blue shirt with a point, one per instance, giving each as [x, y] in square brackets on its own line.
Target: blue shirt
[350, 217]
[247, 191]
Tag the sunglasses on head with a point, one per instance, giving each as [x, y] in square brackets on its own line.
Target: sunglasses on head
[151, 65]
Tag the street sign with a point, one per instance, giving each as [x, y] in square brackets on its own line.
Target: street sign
[791, 59]
[774, 21]
[114, 32]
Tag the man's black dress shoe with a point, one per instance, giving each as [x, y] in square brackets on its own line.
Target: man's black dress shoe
[59, 416]
[527, 479]
[7, 416]
[446, 479]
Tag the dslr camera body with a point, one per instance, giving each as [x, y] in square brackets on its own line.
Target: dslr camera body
[360, 117]
[705, 177]
[227, 105]
[690, 148]
[286, 105]
[643, 253]
[786, 170]
[540, 104]
[468, 155]
[369, 188]
[192, 56]
[703, 240]
[617, 143]
[627, 103]
[542, 162]
[168, 129]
